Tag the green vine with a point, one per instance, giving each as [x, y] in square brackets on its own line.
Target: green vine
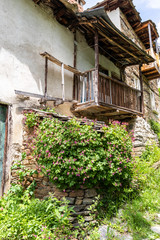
[76, 156]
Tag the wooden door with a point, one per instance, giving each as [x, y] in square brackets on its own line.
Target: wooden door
[3, 117]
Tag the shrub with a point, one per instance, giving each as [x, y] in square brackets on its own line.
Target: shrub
[25, 218]
[74, 155]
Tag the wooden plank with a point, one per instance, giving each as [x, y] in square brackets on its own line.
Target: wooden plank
[46, 75]
[112, 41]
[28, 94]
[83, 89]
[150, 36]
[90, 85]
[63, 89]
[74, 64]
[104, 90]
[59, 63]
[96, 67]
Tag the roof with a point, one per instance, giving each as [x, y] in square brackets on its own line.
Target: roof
[112, 42]
[133, 17]
[142, 31]
[126, 6]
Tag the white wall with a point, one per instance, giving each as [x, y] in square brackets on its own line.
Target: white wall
[26, 31]
[115, 17]
[86, 57]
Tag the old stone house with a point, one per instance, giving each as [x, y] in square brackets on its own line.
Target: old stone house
[84, 63]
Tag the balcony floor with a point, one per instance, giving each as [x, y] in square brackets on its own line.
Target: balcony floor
[151, 72]
[103, 111]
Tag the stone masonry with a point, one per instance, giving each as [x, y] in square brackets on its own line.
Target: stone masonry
[80, 199]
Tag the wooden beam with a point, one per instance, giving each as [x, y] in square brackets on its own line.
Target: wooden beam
[63, 90]
[115, 43]
[59, 63]
[141, 83]
[75, 64]
[36, 1]
[150, 36]
[46, 75]
[96, 75]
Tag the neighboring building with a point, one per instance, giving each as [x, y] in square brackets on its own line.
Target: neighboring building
[53, 53]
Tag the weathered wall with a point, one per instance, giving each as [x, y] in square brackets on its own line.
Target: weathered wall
[27, 30]
[143, 135]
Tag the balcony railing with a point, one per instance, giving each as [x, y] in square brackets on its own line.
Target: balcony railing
[112, 93]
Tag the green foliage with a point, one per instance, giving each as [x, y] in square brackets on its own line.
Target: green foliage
[138, 210]
[159, 91]
[74, 155]
[22, 217]
[51, 110]
[30, 119]
[155, 127]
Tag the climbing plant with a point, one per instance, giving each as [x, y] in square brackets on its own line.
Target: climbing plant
[75, 155]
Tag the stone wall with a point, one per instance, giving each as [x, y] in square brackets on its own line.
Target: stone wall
[143, 135]
[80, 199]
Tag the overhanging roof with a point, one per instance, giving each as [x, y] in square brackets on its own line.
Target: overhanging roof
[112, 42]
[126, 6]
[133, 17]
[142, 32]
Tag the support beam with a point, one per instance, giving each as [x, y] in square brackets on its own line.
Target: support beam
[96, 75]
[74, 64]
[63, 90]
[141, 83]
[150, 36]
[122, 74]
[157, 49]
[46, 75]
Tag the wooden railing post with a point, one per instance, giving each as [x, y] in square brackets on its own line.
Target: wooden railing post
[63, 90]
[46, 76]
[96, 75]
[141, 82]
[75, 65]
[150, 36]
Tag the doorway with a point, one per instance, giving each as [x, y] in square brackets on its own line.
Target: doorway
[3, 143]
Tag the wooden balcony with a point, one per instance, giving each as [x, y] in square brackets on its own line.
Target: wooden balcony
[152, 70]
[115, 98]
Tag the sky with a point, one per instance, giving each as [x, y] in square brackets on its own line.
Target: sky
[148, 9]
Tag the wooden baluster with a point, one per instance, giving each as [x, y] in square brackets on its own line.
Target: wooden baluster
[104, 89]
[87, 87]
[110, 87]
[90, 86]
[83, 89]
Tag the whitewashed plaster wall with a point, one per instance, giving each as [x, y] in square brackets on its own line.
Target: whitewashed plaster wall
[26, 31]
[115, 17]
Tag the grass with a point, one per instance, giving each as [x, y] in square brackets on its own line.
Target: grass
[139, 210]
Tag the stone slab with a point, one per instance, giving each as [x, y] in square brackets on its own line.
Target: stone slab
[156, 229]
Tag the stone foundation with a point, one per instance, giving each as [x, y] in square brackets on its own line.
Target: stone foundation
[143, 135]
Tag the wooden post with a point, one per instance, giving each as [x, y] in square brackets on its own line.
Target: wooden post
[74, 64]
[63, 90]
[96, 75]
[150, 36]
[122, 74]
[157, 49]
[141, 82]
[46, 75]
